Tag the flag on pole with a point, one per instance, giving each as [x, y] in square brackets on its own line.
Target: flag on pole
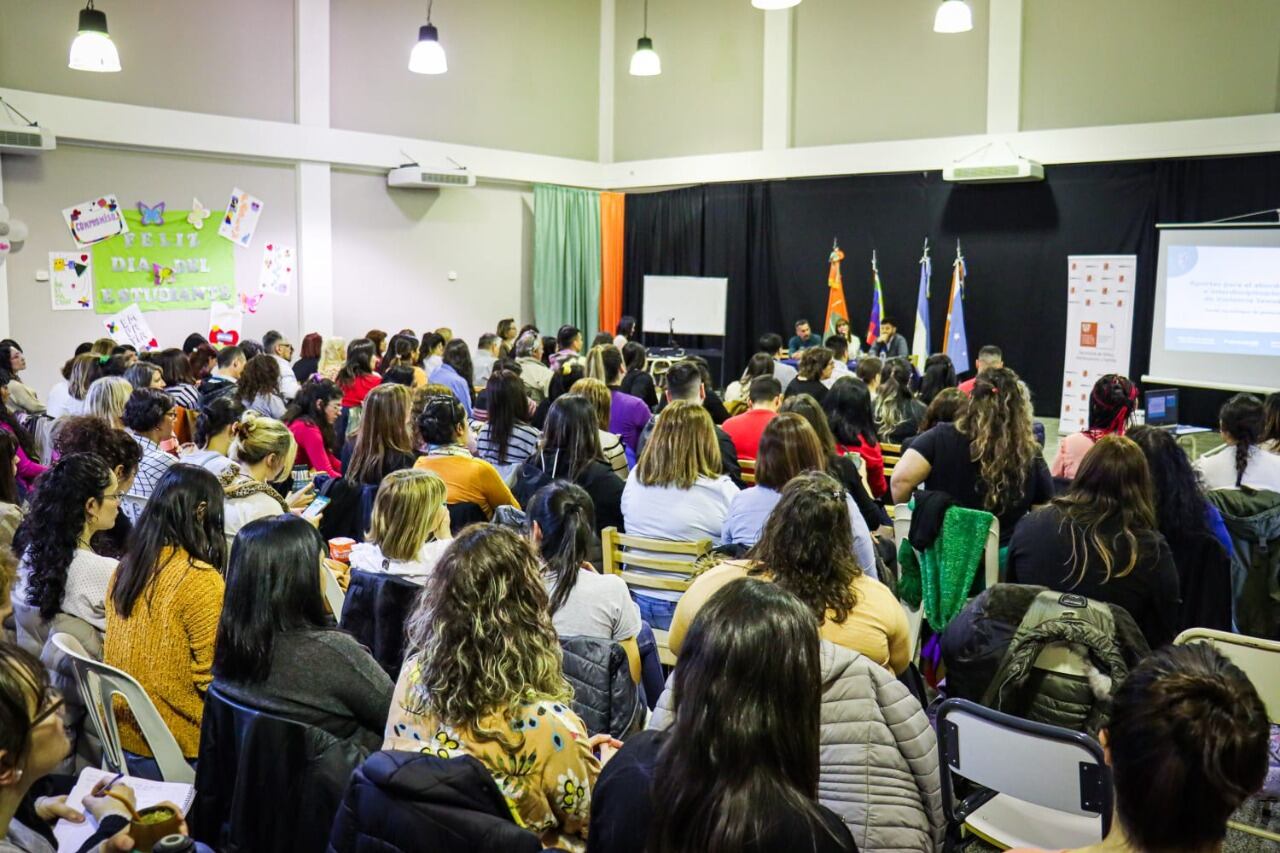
[836, 312]
[956, 342]
[877, 303]
[920, 340]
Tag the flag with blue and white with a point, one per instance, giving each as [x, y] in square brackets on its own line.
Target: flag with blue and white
[920, 340]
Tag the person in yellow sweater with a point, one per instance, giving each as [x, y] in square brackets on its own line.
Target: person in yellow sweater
[444, 429]
[165, 601]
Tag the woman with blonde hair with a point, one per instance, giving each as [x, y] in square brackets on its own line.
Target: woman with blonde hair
[988, 459]
[409, 531]
[333, 354]
[384, 442]
[1101, 539]
[483, 677]
[677, 490]
[265, 449]
[106, 399]
[610, 443]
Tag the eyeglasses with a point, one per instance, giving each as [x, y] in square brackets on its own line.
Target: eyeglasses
[173, 415]
[115, 496]
[51, 704]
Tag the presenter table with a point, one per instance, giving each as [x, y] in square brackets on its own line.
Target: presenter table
[1189, 437]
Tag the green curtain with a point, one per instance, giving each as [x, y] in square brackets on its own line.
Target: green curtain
[566, 259]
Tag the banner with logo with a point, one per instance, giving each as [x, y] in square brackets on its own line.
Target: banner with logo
[165, 264]
[1099, 329]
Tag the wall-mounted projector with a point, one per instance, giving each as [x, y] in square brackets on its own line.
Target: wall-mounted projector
[1017, 171]
[416, 177]
[20, 135]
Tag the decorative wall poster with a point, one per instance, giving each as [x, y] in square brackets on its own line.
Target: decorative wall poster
[169, 267]
[278, 269]
[94, 221]
[1099, 328]
[71, 281]
[225, 323]
[130, 327]
[241, 218]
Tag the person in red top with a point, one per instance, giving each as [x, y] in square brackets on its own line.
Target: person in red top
[745, 429]
[356, 378]
[310, 417]
[989, 358]
[848, 408]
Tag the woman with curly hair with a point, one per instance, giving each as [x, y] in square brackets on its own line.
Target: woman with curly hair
[1110, 406]
[59, 571]
[122, 454]
[482, 677]
[807, 548]
[988, 459]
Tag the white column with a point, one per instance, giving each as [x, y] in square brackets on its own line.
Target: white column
[776, 128]
[4, 274]
[315, 220]
[608, 25]
[1004, 67]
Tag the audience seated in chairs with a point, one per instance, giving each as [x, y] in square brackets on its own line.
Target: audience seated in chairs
[1111, 404]
[444, 427]
[1194, 529]
[506, 439]
[1100, 540]
[737, 397]
[807, 548]
[898, 412]
[1187, 743]
[686, 380]
[638, 382]
[164, 604]
[310, 417]
[122, 454]
[764, 396]
[483, 678]
[677, 490]
[216, 428]
[150, 415]
[943, 409]
[409, 532]
[610, 443]
[729, 773]
[849, 411]
[265, 450]
[816, 366]
[106, 399]
[988, 459]
[849, 470]
[571, 451]
[384, 441]
[1244, 460]
[939, 374]
[277, 650]
[788, 448]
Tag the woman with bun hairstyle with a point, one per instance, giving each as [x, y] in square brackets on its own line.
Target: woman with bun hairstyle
[1243, 459]
[444, 427]
[1111, 405]
[265, 449]
[1187, 745]
[216, 430]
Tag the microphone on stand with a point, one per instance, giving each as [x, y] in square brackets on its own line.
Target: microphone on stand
[671, 332]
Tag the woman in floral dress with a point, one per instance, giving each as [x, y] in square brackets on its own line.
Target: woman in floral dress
[483, 678]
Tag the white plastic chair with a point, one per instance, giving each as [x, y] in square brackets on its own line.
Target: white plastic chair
[1260, 661]
[332, 590]
[1042, 786]
[99, 684]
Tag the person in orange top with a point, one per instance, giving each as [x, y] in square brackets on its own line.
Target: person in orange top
[165, 601]
[444, 428]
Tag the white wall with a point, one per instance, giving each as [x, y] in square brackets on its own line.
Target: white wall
[36, 189]
[393, 252]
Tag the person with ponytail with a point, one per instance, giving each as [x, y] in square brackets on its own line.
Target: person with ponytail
[1187, 744]
[1110, 406]
[1243, 459]
[584, 603]
[1271, 426]
[265, 449]
[738, 768]
[988, 459]
[216, 429]
[443, 426]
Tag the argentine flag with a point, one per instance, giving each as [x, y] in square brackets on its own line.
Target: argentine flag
[920, 340]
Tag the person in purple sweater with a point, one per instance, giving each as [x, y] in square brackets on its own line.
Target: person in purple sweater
[628, 415]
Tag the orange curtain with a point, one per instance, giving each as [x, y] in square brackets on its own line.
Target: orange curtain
[612, 213]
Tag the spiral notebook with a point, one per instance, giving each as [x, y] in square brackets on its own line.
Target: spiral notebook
[71, 836]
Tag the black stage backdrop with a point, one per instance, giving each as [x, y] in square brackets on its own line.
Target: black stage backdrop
[771, 240]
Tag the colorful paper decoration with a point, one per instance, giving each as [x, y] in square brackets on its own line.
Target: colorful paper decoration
[71, 281]
[225, 323]
[94, 221]
[279, 267]
[241, 218]
[129, 327]
[161, 275]
[199, 213]
[151, 215]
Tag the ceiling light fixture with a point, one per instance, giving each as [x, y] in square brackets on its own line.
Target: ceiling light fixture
[645, 62]
[954, 16]
[769, 5]
[93, 49]
[428, 56]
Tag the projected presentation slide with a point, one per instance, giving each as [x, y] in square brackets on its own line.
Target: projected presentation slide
[1223, 299]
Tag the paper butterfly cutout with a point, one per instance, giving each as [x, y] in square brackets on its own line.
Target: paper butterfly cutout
[151, 215]
[112, 326]
[227, 337]
[198, 214]
[163, 275]
[83, 302]
[251, 303]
